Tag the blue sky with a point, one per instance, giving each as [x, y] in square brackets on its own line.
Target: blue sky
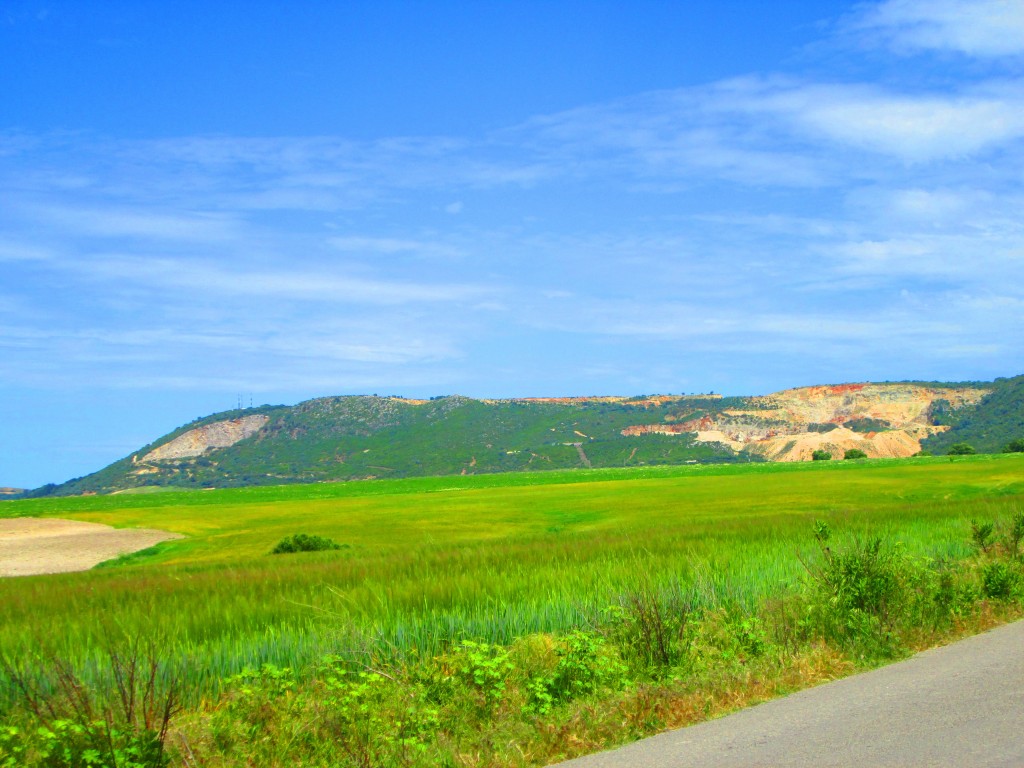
[299, 199]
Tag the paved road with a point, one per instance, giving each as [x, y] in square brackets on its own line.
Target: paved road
[962, 705]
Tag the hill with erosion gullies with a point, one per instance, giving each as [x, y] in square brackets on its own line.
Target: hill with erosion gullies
[365, 437]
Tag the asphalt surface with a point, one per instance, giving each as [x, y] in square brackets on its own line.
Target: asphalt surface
[961, 705]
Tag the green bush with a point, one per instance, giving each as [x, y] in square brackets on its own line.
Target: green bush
[586, 663]
[854, 453]
[855, 594]
[304, 542]
[998, 580]
[821, 456]
[1014, 446]
[960, 449]
[483, 667]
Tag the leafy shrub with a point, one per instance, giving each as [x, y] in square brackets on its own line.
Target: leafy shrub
[485, 668]
[868, 425]
[952, 594]
[751, 635]
[854, 453]
[303, 542]
[820, 455]
[998, 580]
[585, 664]
[377, 721]
[856, 594]
[1014, 446]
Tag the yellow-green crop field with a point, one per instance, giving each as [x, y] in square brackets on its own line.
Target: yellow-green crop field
[429, 561]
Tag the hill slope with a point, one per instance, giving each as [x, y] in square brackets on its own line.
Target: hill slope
[362, 437]
[988, 425]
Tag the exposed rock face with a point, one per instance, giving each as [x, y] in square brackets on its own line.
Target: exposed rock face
[898, 404]
[791, 425]
[198, 441]
[800, 447]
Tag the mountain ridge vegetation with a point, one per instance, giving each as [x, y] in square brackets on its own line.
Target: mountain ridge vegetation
[359, 437]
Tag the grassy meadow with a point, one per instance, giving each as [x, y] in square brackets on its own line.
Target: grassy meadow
[428, 562]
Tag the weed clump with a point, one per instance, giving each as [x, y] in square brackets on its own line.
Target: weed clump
[653, 627]
[304, 542]
[65, 723]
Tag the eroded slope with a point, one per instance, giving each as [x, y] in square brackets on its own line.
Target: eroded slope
[883, 420]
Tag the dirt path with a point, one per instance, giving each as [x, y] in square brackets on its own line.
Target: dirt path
[583, 456]
[32, 545]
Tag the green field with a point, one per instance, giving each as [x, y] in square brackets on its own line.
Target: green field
[429, 561]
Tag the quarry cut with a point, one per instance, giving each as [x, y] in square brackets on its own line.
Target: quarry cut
[791, 425]
[196, 442]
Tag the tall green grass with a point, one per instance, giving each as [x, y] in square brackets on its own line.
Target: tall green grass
[433, 560]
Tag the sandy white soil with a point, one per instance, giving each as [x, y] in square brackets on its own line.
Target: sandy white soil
[33, 545]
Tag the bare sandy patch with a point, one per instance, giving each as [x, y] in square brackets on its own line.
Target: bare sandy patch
[35, 545]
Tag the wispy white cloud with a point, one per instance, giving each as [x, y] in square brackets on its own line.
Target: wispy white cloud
[914, 127]
[324, 284]
[389, 246]
[981, 28]
[936, 207]
[968, 260]
[683, 133]
[778, 131]
[11, 250]
[115, 221]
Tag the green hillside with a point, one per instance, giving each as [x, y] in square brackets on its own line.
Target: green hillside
[363, 437]
[366, 437]
[988, 426]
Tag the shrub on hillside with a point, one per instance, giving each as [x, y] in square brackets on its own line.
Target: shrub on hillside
[304, 542]
[1014, 446]
[821, 456]
[855, 453]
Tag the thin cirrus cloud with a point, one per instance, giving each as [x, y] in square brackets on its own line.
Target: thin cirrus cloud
[13, 250]
[120, 221]
[752, 331]
[919, 127]
[978, 28]
[324, 284]
[778, 130]
[389, 246]
[954, 256]
[755, 130]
